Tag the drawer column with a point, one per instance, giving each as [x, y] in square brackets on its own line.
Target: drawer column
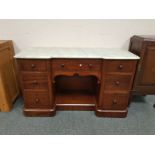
[116, 85]
[37, 87]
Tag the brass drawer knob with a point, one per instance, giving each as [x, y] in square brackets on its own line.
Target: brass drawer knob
[120, 67]
[80, 65]
[117, 83]
[114, 101]
[33, 66]
[62, 65]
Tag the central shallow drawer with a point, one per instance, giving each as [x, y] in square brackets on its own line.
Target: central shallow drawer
[76, 65]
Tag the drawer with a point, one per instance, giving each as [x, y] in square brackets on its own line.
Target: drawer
[117, 82]
[124, 66]
[35, 81]
[76, 65]
[115, 101]
[34, 99]
[33, 65]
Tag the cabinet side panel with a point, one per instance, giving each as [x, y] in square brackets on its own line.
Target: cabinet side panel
[8, 77]
[148, 72]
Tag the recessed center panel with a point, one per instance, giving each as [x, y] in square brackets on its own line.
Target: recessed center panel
[76, 90]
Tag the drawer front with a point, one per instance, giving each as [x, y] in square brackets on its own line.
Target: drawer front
[35, 84]
[36, 99]
[35, 81]
[117, 82]
[124, 66]
[76, 65]
[115, 101]
[33, 65]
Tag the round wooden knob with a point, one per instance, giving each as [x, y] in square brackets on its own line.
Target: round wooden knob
[114, 101]
[35, 82]
[117, 82]
[62, 65]
[80, 65]
[120, 67]
[153, 69]
[36, 100]
[33, 66]
[98, 82]
[90, 65]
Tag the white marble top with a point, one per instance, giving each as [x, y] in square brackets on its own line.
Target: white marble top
[51, 52]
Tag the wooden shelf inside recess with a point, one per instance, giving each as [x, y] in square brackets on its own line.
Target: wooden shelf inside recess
[75, 100]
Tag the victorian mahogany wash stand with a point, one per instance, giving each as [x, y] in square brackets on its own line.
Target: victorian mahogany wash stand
[76, 79]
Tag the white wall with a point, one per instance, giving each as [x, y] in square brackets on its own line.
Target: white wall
[74, 33]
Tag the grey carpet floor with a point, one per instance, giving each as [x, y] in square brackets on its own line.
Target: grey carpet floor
[140, 120]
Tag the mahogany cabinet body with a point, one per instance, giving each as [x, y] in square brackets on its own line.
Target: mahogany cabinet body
[103, 86]
[144, 47]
